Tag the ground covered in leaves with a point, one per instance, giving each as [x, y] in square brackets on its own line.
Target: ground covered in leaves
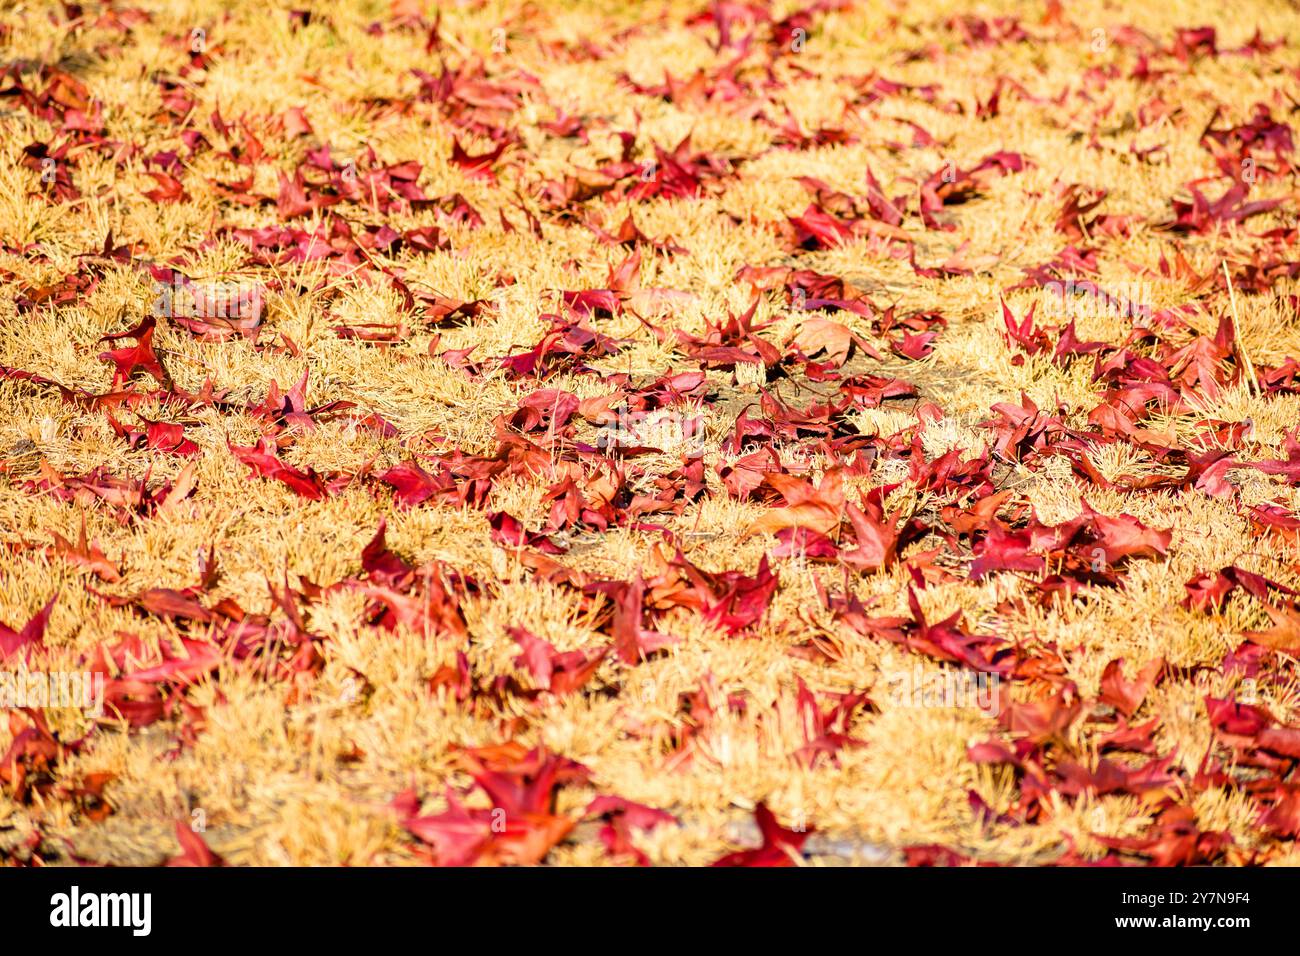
[671, 433]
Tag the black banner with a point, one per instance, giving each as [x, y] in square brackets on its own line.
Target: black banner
[335, 906]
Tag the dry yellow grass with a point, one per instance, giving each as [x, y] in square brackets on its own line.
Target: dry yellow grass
[304, 768]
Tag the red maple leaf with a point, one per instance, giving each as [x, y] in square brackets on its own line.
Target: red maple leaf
[781, 847]
[139, 356]
[31, 635]
[262, 460]
[1124, 695]
[476, 167]
[621, 818]
[194, 851]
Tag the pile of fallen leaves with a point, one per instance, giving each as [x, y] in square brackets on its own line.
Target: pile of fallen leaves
[752, 433]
